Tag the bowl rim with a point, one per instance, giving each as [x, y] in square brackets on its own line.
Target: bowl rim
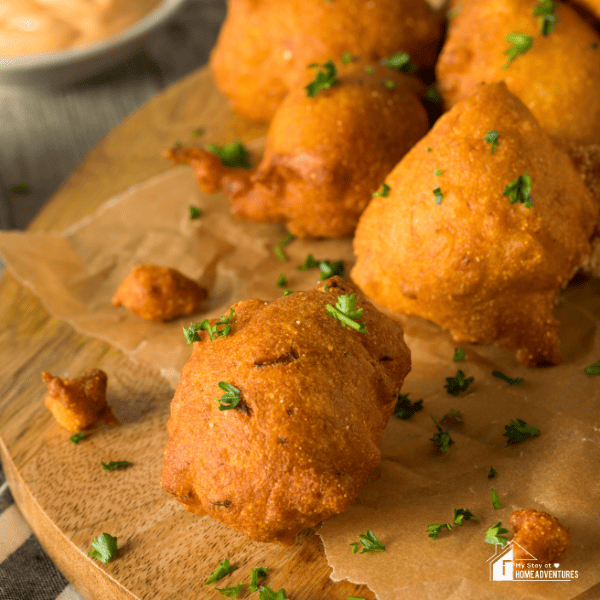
[158, 15]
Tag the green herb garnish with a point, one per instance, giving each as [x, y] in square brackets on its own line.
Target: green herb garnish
[433, 95]
[231, 592]
[330, 269]
[442, 438]
[428, 149]
[384, 193]
[323, 79]
[370, 542]
[18, 188]
[354, 546]
[495, 499]
[104, 547]
[494, 535]
[459, 354]
[508, 380]
[266, 593]
[521, 43]
[114, 464]
[254, 575]
[593, 369]
[462, 514]
[191, 333]
[519, 190]
[437, 172]
[230, 399]
[438, 195]
[347, 58]
[369, 69]
[400, 61]
[405, 409]
[282, 280]
[77, 437]
[518, 431]
[278, 250]
[223, 569]
[492, 473]
[491, 137]
[232, 155]
[458, 384]
[435, 529]
[287, 292]
[344, 311]
[545, 11]
[198, 132]
[453, 415]
[309, 263]
[389, 84]
[195, 212]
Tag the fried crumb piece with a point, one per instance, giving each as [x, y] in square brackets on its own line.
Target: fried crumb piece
[158, 293]
[79, 403]
[540, 534]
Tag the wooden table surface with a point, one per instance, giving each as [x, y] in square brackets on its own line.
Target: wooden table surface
[48, 133]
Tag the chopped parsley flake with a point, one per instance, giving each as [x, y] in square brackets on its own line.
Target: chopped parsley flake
[492, 473]
[18, 188]
[354, 546]
[114, 464]
[191, 333]
[195, 212]
[459, 383]
[437, 172]
[384, 192]
[433, 95]
[254, 575]
[438, 195]
[104, 547]
[453, 416]
[508, 380]
[518, 431]
[77, 437]
[435, 529]
[369, 69]
[230, 399]
[519, 190]
[223, 569]
[278, 249]
[442, 438]
[323, 80]
[198, 132]
[347, 58]
[370, 542]
[459, 354]
[494, 535]
[593, 369]
[231, 592]
[329, 269]
[389, 84]
[428, 149]
[405, 409]
[281, 280]
[309, 263]
[495, 499]
[266, 593]
[287, 292]
[491, 137]
[232, 155]
[400, 61]
[545, 11]
[345, 312]
[462, 514]
[521, 43]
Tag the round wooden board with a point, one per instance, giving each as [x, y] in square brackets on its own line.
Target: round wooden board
[64, 495]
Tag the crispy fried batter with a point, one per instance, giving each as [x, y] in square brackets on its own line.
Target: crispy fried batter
[486, 269]
[539, 534]
[264, 47]
[325, 156]
[158, 293]
[79, 403]
[558, 78]
[315, 398]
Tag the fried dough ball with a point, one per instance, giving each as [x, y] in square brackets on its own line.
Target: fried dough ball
[539, 534]
[158, 293]
[265, 46]
[315, 397]
[79, 403]
[479, 264]
[558, 78]
[325, 156]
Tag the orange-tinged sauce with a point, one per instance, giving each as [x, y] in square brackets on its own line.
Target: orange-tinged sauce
[38, 26]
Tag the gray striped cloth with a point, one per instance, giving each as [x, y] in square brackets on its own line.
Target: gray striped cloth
[26, 572]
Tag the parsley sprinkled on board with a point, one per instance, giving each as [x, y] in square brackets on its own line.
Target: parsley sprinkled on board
[545, 11]
[438, 195]
[458, 384]
[462, 514]
[329, 269]
[384, 192]
[223, 569]
[369, 69]
[266, 593]
[494, 535]
[114, 464]
[459, 354]
[453, 416]
[491, 137]
[593, 369]
[521, 43]
[435, 529]
[495, 499]
[232, 155]
[492, 473]
[400, 61]
[278, 249]
[508, 380]
[348, 58]
[325, 78]
[282, 280]
[519, 190]
[191, 333]
[230, 399]
[437, 172]
[195, 212]
[104, 547]
[370, 542]
[389, 84]
[346, 313]
[354, 546]
[18, 188]
[518, 431]
[77, 437]
[287, 292]
[254, 576]
[405, 409]
[231, 592]
[442, 438]
[309, 263]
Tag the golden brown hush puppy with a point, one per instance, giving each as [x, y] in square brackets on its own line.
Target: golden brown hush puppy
[276, 426]
[557, 76]
[486, 219]
[158, 293]
[264, 46]
[79, 403]
[325, 155]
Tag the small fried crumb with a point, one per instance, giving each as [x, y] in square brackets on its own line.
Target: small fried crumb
[79, 403]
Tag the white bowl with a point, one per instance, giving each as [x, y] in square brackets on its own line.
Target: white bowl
[68, 66]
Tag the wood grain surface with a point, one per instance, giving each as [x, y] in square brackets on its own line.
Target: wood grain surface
[65, 496]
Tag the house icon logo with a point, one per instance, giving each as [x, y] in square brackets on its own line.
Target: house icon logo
[503, 564]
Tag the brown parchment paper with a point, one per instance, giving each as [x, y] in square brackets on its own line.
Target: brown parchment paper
[75, 273]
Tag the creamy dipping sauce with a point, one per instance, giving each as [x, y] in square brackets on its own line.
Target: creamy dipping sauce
[38, 26]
